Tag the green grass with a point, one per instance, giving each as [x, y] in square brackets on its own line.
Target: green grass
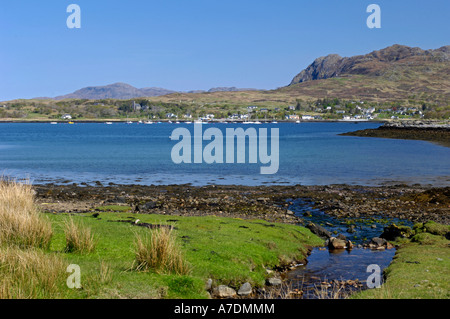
[230, 251]
[420, 269]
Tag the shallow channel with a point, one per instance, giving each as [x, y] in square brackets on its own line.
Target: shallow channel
[336, 273]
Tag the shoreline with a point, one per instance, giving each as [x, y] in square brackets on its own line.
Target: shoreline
[255, 205]
[60, 121]
[416, 203]
[431, 132]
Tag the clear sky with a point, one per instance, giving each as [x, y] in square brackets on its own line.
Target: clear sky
[196, 44]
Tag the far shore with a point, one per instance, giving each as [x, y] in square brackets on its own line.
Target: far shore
[181, 121]
[437, 133]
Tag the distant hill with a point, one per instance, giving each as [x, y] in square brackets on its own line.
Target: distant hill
[221, 89]
[228, 89]
[394, 74]
[376, 63]
[125, 91]
[114, 91]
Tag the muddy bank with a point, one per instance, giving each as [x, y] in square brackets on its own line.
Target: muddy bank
[271, 203]
[411, 131]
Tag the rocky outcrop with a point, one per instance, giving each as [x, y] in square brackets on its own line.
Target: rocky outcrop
[379, 244]
[393, 232]
[374, 63]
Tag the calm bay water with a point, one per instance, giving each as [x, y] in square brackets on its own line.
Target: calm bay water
[310, 154]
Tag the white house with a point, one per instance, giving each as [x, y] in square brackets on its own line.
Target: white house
[66, 117]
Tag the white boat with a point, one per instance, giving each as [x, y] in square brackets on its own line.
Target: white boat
[257, 122]
[109, 123]
[54, 123]
[177, 122]
[274, 122]
[187, 122]
[129, 122]
[297, 122]
[148, 122]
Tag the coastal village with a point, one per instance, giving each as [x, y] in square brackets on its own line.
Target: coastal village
[119, 110]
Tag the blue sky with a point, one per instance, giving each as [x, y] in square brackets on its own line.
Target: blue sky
[196, 44]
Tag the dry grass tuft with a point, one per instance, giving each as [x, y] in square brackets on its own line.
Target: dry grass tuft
[160, 252]
[20, 221]
[31, 274]
[79, 238]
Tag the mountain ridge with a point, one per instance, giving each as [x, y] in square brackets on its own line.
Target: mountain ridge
[123, 91]
[117, 90]
[373, 63]
[395, 73]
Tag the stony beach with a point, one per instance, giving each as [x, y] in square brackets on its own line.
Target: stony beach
[415, 203]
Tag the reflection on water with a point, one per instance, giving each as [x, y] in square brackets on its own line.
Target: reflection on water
[342, 265]
[326, 267]
[364, 228]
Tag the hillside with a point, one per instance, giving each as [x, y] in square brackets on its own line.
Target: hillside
[376, 63]
[114, 91]
[394, 74]
[396, 82]
[123, 91]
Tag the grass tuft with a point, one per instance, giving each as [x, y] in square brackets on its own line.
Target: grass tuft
[79, 238]
[20, 221]
[31, 274]
[160, 252]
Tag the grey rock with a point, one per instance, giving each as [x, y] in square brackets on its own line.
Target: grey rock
[318, 230]
[224, 292]
[273, 281]
[335, 243]
[379, 241]
[208, 285]
[148, 206]
[245, 290]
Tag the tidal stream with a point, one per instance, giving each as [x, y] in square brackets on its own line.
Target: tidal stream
[336, 273]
